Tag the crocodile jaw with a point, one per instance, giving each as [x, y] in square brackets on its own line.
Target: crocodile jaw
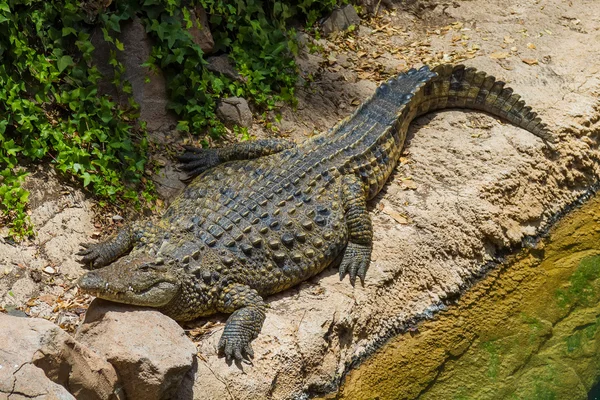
[141, 284]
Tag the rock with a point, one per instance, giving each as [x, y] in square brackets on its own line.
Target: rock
[200, 31]
[149, 86]
[148, 349]
[39, 359]
[223, 65]
[340, 19]
[234, 111]
[168, 182]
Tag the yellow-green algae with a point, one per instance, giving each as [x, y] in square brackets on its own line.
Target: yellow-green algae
[529, 330]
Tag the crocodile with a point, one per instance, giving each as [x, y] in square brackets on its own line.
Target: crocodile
[260, 217]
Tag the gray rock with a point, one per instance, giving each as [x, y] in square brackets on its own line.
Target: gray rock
[223, 65]
[148, 349]
[340, 19]
[38, 359]
[168, 182]
[200, 31]
[234, 111]
[149, 86]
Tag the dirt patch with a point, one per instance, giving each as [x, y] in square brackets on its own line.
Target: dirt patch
[468, 188]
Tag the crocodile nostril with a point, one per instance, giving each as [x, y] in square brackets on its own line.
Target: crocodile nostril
[91, 280]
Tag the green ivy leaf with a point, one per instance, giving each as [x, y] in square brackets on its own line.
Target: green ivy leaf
[64, 62]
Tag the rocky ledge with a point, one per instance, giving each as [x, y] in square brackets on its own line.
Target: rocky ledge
[469, 189]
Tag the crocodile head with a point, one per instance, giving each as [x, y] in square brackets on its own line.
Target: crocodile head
[138, 280]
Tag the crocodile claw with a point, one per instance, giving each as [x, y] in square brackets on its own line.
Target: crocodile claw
[236, 348]
[355, 262]
[196, 160]
[93, 255]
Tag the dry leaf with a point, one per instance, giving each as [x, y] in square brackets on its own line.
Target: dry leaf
[498, 55]
[409, 184]
[399, 218]
[47, 298]
[530, 61]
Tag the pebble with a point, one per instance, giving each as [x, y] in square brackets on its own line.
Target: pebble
[49, 270]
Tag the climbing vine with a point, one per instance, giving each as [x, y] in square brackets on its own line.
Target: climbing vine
[50, 107]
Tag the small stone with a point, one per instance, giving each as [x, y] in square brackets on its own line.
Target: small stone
[235, 111]
[223, 65]
[49, 270]
[340, 20]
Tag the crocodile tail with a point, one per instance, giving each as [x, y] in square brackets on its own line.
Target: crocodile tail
[459, 87]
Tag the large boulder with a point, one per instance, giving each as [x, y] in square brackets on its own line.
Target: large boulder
[149, 350]
[38, 359]
[200, 31]
[149, 85]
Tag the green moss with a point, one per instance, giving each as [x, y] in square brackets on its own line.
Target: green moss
[535, 327]
[580, 290]
[493, 359]
[544, 386]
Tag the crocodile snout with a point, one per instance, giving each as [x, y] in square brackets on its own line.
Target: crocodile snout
[91, 281]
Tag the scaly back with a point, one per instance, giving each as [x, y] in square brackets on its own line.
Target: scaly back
[369, 142]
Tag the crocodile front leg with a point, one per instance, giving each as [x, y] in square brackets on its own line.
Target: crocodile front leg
[197, 160]
[96, 255]
[360, 230]
[245, 322]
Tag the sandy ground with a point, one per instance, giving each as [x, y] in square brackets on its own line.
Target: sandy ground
[469, 188]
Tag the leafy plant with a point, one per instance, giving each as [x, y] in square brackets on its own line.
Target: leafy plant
[50, 107]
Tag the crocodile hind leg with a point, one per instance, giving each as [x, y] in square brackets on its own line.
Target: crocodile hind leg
[96, 255]
[360, 230]
[243, 325]
[196, 160]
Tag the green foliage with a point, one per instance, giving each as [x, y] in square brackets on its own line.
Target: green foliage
[256, 36]
[50, 107]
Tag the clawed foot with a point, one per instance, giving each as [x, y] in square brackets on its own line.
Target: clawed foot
[93, 255]
[355, 262]
[241, 329]
[197, 160]
[236, 348]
